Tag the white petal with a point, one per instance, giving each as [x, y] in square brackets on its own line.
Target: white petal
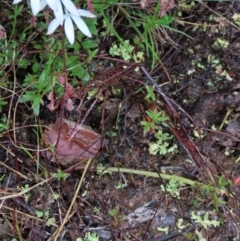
[59, 13]
[53, 4]
[82, 26]
[86, 13]
[43, 4]
[53, 26]
[70, 7]
[16, 1]
[35, 6]
[69, 30]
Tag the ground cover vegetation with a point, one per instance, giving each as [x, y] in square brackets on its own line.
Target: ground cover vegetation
[119, 120]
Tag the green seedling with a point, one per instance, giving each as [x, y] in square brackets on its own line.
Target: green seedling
[163, 229]
[221, 43]
[89, 237]
[114, 213]
[236, 19]
[60, 175]
[120, 185]
[51, 221]
[45, 214]
[180, 224]
[214, 61]
[150, 94]
[156, 118]
[162, 145]
[173, 188]
[27, 195]
[204, 220]
[124, 50]
[155, 122]
[41, 214]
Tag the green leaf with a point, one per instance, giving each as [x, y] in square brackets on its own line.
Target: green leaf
[86, 77]
[147, 126]
[51, 221]
[23, 63]
[29, 96]
[166, 20]
[89, 44]
[91, 23]
[29, 80]
[35, 67]
[156, 117]
[40, 214]
[36, 105]
[77, 71]
[153, 148]
[72, 60]
[91, 54]
[158, 147]
[163, 136]
[114, 50]
[38, 46]
[19, 9]
[22, 37]
[43, 76]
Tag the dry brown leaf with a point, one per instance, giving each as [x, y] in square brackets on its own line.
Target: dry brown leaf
[84, 145]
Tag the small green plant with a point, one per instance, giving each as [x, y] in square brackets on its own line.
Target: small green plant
[163, 229]
[236, 19]
[125, 50]
[150, 96]
[40, 214]
[45, 214]
[173, 187]
[114, 213]
[162, 145]
[155, 122]
[60, 175]
[221, 43]
[51, 221]
[89, 237]
[204, 220]
[37, 88]
[138, 20]
[28, 194]
[156, 118]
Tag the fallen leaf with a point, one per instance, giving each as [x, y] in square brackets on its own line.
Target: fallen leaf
[84, 144]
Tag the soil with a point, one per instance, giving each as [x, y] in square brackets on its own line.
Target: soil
[119, 206]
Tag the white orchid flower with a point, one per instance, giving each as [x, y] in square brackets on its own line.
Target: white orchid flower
[55, 5]
[36, 5]
[68, 24]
